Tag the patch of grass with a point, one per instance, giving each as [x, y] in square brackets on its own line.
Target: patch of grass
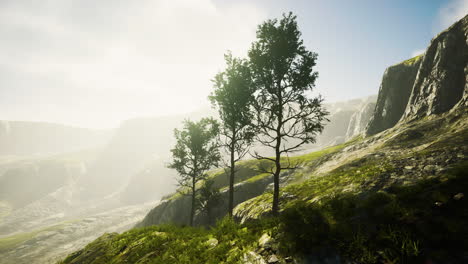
[250, 171]
[406, 224]
[5, 209]
[225, 243]
[316, 154]
[413, 60]
[420, 223]
[9, 242]
[12, 241]
[312, 190]
[258, 177]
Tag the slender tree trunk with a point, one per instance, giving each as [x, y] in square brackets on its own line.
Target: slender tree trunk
[231, 180]
[192, 211]
[276, 178]
[276, 175]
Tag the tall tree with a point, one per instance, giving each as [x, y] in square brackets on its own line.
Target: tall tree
[286, 117]
[195, 152]
[233, 97]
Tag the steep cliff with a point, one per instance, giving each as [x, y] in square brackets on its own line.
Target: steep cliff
[442, 76]
[347, 119]
[360, 119]
[394, 93]
[432, 83]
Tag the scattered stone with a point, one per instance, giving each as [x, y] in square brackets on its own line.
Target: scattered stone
[161, 234]
[409, 167]
[273, 259]
[430, 167]
[458, 196]
[438, 204]
[286, 195]
[253, 258]
[212, 242]
[265, 241]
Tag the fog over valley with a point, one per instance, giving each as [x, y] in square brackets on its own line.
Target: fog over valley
[219, 131]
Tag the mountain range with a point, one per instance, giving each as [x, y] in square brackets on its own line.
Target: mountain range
[372, 151]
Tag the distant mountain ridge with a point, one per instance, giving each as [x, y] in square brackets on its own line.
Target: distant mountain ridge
[40, 138]
[402, 149]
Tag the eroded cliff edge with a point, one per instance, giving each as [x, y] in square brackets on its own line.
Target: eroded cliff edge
[432, 83]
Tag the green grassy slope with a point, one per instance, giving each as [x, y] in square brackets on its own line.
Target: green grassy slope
[396, 197]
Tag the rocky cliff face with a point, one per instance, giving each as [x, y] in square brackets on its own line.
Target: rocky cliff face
[394, 92]
[347, 119]
[432, 83]
[442, 75]
[177, 209]
[360, 119]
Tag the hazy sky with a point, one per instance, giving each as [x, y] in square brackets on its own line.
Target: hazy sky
[95, 63]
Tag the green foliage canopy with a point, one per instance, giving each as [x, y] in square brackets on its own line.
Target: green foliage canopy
[195, 152]
[282, 68]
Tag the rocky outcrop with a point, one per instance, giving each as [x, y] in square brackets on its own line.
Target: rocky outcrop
[360, 119]
[347, 119]
[394, 93]
[335, 130]
[432, 83]
[177, 210]
[442, 75]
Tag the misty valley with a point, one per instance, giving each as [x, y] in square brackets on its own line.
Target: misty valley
[266, 171]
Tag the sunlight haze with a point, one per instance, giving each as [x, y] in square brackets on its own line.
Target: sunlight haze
[94, 64]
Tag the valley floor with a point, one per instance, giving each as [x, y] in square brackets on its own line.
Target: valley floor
[48, 244]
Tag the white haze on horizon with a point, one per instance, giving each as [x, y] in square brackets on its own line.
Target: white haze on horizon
[96, 63]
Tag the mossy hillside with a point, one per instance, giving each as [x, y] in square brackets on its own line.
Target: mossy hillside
[12, 241]
[227, 242]
[342, 180]
[370, 208]
[413, 60]
[449, 130]
[403, 224]
[356, 212]
[378, 169]
[9, 242]
[251, 181]
[249, 171]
